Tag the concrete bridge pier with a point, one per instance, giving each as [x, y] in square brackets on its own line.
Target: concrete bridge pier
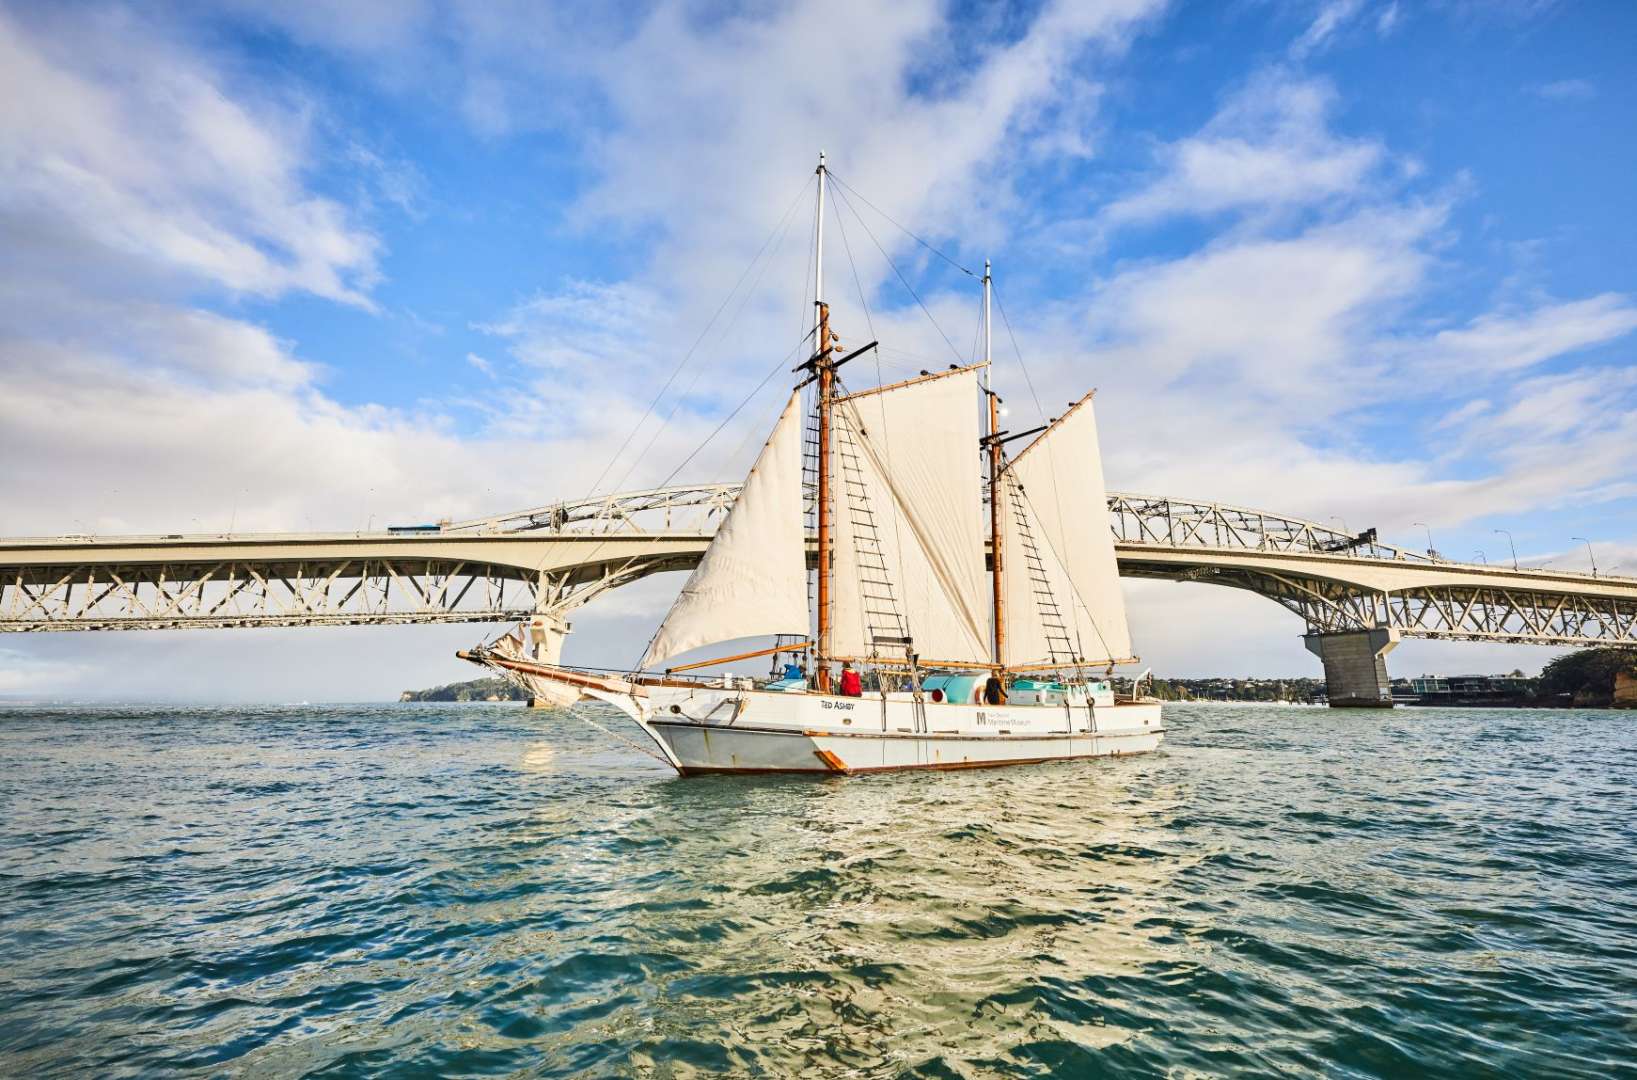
[545, 645]
[1355, 667]
[545, 640]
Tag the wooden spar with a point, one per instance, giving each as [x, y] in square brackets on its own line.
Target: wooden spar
[923, 665]
[1074, 664]
[901, 383]
[997, 551]
[1047, 427]
[826, 395]
[996, 557]
[736, 656]
[826, 372]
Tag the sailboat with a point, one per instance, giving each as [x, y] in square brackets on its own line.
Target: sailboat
[948, 658]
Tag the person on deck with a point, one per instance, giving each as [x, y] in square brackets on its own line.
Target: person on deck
[994, 693]
[851, 684]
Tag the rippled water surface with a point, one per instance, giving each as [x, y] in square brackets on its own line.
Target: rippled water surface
[464, 890]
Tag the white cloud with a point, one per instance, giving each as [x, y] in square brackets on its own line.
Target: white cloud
[1247, 370]
[1332, 16]
[1462, 414]
[1494, 343]
[1565, 90]
[712, 164]
[31, 677]
[1268, 147]
[122, 151]
[1272, 319]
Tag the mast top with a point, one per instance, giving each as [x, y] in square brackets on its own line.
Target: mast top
[821, 161]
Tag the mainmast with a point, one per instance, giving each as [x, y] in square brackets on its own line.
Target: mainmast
[995, 550]
[826, 395]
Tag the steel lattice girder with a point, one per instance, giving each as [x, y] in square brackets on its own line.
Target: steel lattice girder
[1456, 613]
[156, 596]
[81, 583]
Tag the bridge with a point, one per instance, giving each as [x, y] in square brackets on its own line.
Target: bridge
[1356, 596]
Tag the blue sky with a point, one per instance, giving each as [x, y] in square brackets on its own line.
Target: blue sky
[294, 269]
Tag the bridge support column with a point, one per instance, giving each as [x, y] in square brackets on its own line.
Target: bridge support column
[545, 641]
[1355, 667]
[545, 645]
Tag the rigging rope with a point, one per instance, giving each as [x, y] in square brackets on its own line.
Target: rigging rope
[858, 282]
[1015, 350]
[687, 356]
[780, 366]
[842, 198]
[901, 228]
[521, 682]
[707, 440]
[699, 373]
[575, 711]
[1057, 491]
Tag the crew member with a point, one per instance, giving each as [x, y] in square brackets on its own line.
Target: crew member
[851, 684]
[994, 693]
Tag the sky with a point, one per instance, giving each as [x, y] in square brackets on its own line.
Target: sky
[295, 267]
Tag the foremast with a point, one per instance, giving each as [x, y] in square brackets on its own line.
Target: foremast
[825, 372]
[996, 462]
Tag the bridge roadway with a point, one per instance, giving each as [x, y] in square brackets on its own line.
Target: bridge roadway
[1356, 596]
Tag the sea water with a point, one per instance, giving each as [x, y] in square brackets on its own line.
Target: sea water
[462, 890]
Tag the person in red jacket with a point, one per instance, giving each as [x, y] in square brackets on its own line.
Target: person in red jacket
[851, 684]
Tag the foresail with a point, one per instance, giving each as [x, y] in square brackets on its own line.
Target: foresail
[752, 579]
[909, 528]
[1061, 580]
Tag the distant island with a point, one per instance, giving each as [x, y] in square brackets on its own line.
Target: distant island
[1586, 677]
[491, 689]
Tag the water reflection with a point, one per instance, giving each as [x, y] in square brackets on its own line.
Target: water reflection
[871, 919]
[359, 891]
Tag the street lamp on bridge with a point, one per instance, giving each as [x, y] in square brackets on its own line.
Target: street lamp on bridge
[1511, 545]
[1424, 525]
[1589, 553]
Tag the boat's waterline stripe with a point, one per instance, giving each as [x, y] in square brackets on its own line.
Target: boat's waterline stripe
[926, 735]
[924, 766]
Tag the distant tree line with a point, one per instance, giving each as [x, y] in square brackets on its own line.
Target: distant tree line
[491, 689]
[1225, 689]
[1587, 675]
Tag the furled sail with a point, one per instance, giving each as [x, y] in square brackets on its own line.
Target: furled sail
[753, 577]
[1061, 581]
[909, 528]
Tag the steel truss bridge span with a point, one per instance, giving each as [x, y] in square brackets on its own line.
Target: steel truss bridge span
[550, 560]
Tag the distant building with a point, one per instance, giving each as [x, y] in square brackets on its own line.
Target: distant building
[1455, 689]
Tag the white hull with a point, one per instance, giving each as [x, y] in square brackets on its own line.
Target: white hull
[706, 729]
[719, 730]
[707, 748]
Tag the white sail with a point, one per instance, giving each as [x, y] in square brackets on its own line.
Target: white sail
[909, 528]
[1065, 605]
[753, 577]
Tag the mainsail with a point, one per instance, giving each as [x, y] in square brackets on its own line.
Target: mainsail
[1062, 586]
[753, 577]
[909, 528]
